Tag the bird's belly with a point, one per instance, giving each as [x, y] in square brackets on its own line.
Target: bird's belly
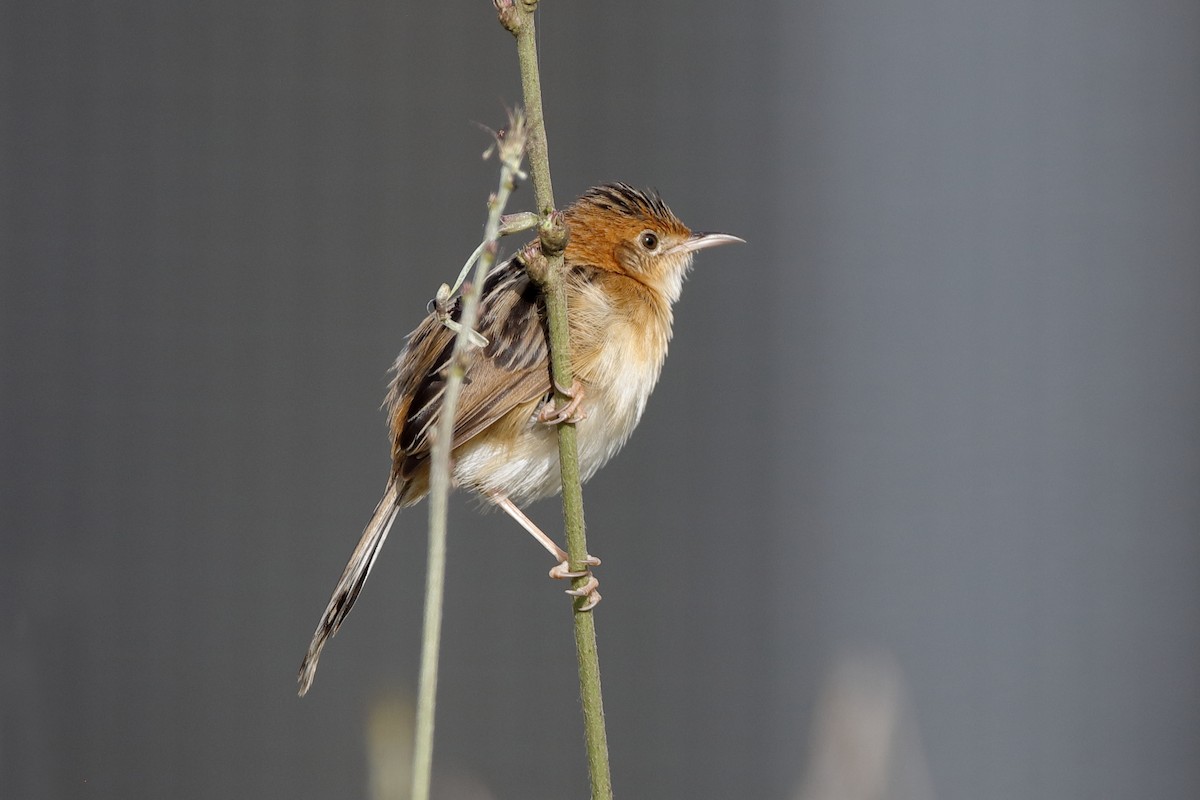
[614, 412]
[523, 470]
[527, 468]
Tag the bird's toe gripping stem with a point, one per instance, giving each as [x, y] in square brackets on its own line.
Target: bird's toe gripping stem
[571, 413]
[587, 590]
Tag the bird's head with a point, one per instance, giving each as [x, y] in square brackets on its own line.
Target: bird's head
[621, 229]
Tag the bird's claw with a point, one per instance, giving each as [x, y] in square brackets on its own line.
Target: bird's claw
[592, 601]
[563, 569]
[588, 589]
[571, 413]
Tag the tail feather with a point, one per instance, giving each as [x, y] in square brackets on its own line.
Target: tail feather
[351, 582]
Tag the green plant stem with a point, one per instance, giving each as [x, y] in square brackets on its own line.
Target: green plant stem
[518, 17]
[511, 151]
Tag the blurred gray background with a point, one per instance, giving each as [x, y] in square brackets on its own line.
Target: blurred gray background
[917, 497]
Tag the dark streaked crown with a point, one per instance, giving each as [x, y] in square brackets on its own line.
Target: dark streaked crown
[637, 204]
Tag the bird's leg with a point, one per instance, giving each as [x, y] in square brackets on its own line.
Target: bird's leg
[562, 569]
[571, 412]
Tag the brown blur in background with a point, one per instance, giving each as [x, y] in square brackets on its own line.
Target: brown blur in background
[914, 512]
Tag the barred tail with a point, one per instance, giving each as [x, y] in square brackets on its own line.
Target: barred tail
[351, 582]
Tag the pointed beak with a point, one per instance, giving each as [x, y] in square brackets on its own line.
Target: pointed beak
[701, 241]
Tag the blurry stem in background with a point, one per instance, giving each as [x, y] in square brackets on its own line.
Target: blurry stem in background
[518, 18]
[510, 145]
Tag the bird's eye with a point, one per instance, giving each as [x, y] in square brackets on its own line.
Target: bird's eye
[649, 240]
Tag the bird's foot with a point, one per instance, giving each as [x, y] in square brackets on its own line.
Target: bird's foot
[571, 413]
[588, 589]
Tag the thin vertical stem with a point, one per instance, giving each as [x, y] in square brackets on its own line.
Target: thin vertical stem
[518, 17]
[510, 146]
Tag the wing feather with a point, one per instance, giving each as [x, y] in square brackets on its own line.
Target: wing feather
[512, 370]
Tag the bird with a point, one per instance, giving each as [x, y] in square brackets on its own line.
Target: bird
[624, 266]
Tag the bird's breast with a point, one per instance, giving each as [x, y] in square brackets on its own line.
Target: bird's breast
[617, 356]
[619, 373]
